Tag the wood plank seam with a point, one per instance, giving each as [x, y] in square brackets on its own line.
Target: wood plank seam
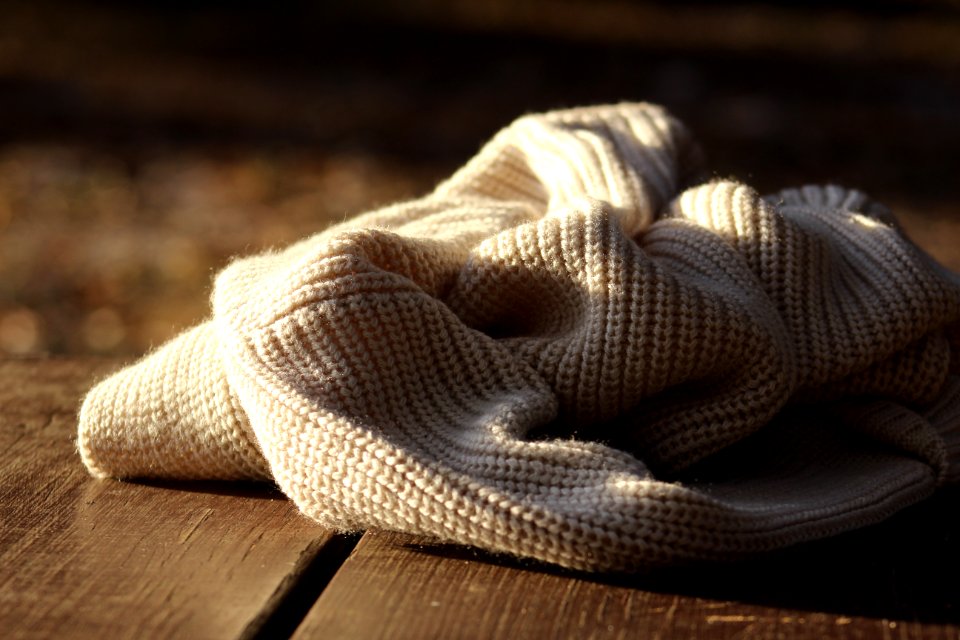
[297, 593]
[139, 559]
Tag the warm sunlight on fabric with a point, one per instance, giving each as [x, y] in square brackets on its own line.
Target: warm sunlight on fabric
[866, 221]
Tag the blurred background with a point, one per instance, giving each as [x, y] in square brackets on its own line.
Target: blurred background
[143, 144]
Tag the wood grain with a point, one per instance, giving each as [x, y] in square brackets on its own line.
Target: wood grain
[396, 586]
[87, 558]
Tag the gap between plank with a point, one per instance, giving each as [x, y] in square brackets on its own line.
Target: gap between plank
[302, 587]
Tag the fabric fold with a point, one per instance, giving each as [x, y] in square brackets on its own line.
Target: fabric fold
[569, 351]
[172, 415]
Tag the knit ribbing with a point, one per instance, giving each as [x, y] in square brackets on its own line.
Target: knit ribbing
[565, 353]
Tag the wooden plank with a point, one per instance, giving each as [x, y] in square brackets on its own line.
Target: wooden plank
[936, 232]
[105, 559]
[891, 581]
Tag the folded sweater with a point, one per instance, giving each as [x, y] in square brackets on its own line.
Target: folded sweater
[574, 350]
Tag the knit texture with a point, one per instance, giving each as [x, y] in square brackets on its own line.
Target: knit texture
[573, 350]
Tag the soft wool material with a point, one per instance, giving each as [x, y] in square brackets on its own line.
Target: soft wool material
[565, 353]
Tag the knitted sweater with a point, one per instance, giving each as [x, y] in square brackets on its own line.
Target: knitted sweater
[567, 352]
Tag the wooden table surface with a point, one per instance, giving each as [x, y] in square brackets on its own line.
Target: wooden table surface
[105, 559]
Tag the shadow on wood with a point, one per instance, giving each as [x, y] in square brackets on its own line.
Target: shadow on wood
[901, 569]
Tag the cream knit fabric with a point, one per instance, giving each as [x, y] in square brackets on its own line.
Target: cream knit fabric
[567, 352]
